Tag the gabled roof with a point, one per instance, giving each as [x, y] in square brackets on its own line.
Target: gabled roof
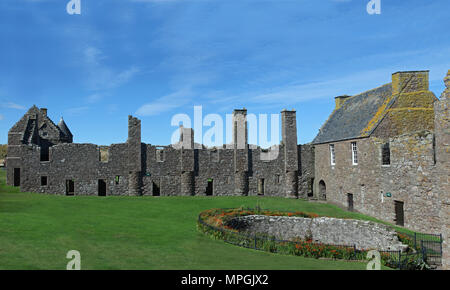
[357, 117]
[27, 127]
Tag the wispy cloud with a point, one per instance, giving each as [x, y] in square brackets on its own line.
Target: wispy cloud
[94, 98]
[166, 103]
[104, 77]
[2, 117]
[11, 105]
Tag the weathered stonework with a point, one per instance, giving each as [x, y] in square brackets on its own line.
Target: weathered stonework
[135, 168]
[408, 178]
[364, 235]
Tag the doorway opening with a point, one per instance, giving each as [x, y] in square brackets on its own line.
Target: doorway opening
[156, 189]
[16, 176]
[101, 187]
[70, 187]
[350, 201]
[399, 213]
[322, 189]
[210, 187]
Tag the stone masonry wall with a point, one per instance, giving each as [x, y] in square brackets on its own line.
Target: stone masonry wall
[408, 178]
[78, 162]
[363, 234]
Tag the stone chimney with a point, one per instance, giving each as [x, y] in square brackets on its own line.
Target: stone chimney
[410, 81]
[290, 150]
[44, 112]
[340, 100]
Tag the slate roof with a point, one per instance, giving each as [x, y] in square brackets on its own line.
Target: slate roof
[349, 121]
[63, 127]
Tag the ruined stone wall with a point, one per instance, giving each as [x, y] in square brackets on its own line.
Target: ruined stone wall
[78, 162]
[271, 171]
[163, 167]
[135, 168]
[408, 178]
[218, 165]
[306, 172]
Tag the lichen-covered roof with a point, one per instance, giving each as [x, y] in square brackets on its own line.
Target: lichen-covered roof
[354, 119]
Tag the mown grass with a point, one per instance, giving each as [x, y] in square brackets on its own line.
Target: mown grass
[37, 230]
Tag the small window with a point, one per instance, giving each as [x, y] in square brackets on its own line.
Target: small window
[117, 179]
[277, 178]
[261, 186]
[332, 155]
[45, 155]
[104, 154]
[160, 155]
[386, 154]
[43, 180]
[354, 154]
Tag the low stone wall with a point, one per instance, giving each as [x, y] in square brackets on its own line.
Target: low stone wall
[332, 231]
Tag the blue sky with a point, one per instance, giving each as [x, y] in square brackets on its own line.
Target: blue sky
[158, 58]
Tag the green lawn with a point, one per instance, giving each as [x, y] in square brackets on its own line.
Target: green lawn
[37, 230]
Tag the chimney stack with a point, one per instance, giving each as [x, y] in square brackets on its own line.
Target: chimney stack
[44, 112]
[340, 100]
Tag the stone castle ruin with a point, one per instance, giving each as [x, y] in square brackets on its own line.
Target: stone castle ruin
[384, 153]
[42, 158]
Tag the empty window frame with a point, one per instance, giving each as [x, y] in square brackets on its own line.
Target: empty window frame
[354, 153]
[261, 186]
[103, 154]
[332, 155]
[45, 155]
[160, 155]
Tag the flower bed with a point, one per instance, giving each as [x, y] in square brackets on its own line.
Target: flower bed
[217, 223]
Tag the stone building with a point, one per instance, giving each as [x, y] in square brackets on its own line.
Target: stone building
[43, 159]
[377, 153]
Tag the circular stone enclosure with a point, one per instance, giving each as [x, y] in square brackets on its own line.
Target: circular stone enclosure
[364, 235]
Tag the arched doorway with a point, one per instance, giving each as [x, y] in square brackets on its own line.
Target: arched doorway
[322, 190]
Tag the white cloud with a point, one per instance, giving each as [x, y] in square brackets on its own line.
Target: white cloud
[165, 103]
[103, 77]
[93, 55]
[94, 98]
[2, 117]
[11, 105]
